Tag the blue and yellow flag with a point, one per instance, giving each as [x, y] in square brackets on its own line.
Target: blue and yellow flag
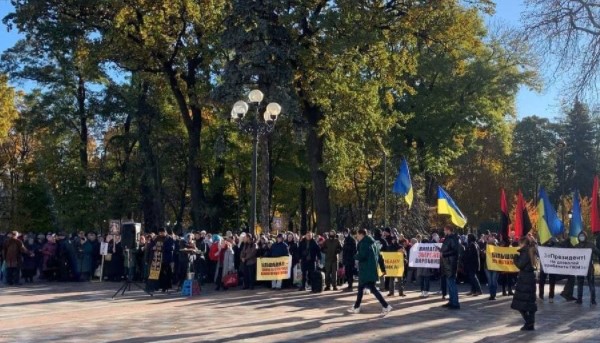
[548, 224]
[577, 221]
[447, 206]
[403, 184]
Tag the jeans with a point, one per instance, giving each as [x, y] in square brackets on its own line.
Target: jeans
[249, 276]
[452, 291]
[424, 280]
[374, 291]
[492, 277]
[580, 280]
[276, 284]
[475, 285]
[552, 279]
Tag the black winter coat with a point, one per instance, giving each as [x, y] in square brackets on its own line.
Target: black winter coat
[524, 298]
[472, 262]
[450, 254]
[348, 251]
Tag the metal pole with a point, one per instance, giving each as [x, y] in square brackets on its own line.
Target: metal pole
[385, 191]
[254, 175]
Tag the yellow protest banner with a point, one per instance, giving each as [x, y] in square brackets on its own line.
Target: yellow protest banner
[273, 268]
[501, 258]
[394, 264]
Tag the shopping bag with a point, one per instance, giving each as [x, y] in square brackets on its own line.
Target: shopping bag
[297, 275]
[230, 280]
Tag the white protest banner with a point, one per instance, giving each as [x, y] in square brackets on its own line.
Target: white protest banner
[425, 255]
[103, 248]
[563, 261]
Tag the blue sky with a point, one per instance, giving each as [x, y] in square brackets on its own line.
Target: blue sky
[545, 104]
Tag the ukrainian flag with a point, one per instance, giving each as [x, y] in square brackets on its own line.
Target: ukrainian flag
[403, 184]
[447, 206]
[577, 221]
[548, 223]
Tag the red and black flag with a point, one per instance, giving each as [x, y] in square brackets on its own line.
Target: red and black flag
[522, 221]
[504, 215]
[595, 212]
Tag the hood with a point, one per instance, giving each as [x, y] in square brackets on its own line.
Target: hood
[369, 240]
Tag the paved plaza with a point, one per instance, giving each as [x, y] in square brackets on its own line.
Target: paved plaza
[84, 312]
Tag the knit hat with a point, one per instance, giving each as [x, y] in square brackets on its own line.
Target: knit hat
[216, 238]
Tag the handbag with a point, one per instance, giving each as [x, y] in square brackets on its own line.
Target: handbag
[98, 272]
[297, 275]
[230, 280]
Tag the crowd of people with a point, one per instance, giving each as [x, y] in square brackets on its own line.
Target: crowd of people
[343, 258]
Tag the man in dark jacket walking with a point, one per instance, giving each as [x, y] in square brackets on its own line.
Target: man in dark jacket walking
[367, 257]
[310, 253]
[472, 265]
[331, 248]
[349, 251]
[450, 252]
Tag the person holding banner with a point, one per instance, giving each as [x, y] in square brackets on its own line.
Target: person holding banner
[551, 277]
[367, 257]
[585, 244]
[396, 247]
[310, 253]
[491, 275]
[524, 297]
[278, 249]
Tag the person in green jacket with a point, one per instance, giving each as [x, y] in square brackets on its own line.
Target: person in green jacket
[367, 255]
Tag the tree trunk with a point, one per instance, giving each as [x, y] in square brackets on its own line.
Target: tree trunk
[319, 180]
[83, 127]
[264, 183]
[151, 189]
[199, 219]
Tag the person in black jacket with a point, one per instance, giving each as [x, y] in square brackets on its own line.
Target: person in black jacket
[310, 254]
[472, 265]
[550, 277]
[450, 252]
[348, 253]
[524, 298]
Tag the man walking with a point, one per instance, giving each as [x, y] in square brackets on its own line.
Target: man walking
[367, 257]
[331, 248]
[450, 255]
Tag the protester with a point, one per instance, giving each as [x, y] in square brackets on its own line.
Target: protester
[225, 263]
[524, 298]
[279, 249]
[472, 265]
[348, 253]
[12, 249]
[331, 247]
[491, 275]
[450, 252]
[551, 277]
[367, 257]
[310, 254]
[29, 265]
[248, 259]
[585, 244]
[396, 246]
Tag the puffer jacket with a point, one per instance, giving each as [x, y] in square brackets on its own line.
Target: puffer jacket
[524, 298]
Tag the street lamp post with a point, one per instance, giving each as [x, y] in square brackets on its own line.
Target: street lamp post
[562, 145]
[385, 190]
[370, 217]
[256, 126]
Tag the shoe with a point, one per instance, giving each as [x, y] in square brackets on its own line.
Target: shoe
[527, 327]
[469, 294]
[443, 297]
[335, 288]
[492, 298]
[551, 300]
[477, 294]
[446, 305]
[354, 310]
[425, 294]
[385, 311]
[402, 295]
[503, 293]
[438, 293]
[578, 302]
[422, 295]
[301, 289]
[390, 294]
[327, 289]
[510, 294]
[593, 302]
[452, 307]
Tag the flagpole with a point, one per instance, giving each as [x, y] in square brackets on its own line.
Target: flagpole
[385, 189]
